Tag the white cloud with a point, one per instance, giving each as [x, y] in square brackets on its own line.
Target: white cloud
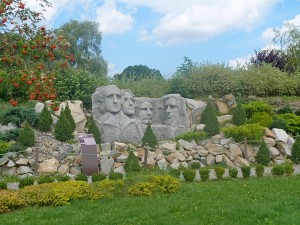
[239, 62]
[112, 70]
[112, 20]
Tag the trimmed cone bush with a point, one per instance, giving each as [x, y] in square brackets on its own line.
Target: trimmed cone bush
[219, 170]
[233, 172]
[263, 154]
[63, 130]
[27, 137]
[69, 117]
[209, 118]
[259, 169]
[45, 120]
[239, 115]
[296, 151]
[189, 175]
[204, 173]
[132, 163]
[246, 170]
[149, 137]
[93, 129]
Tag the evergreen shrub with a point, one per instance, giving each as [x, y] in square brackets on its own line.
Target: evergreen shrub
[61, 178]
[292, 122]
[263, 154]
[246, 170]
[81, 177]
[209, 118]
[175, 172]
[115, 175]
[69, 117]
[4, 147]
[262, 118]
[278, 170]
[62, 129]
[189, 174]
[239, 115]
[259, 169]
[3, 185]
[27, 136]
[219, 170]
[26, 181]
[278, 123]
[93, 129]
[256, 106]
[132, 163]
[204, 173]
[288, 168]
[285, 109]
[149, 137]
[98, 177]
[233, 172]
[45, 179]
[296, 151]
[195, 165]
[192, 135]
[45, 120]
[250, 131]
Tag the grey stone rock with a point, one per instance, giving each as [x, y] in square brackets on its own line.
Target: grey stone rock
[64, 169]
[210, 160]
[167, 147]
[269, 141]
[49, 166]
[22, 162]
[75, 170]
[39, 107]
[186, 145]
[13, 185]
[9, 126]
[273, 152]
[24, 170]
[122, 158]
[106, 165]
[225, 118]
[9, 171]
[240, 162]
[179, 156]
[10, 164]
[219, 158]
[106, 147]
[171, 158]
[280, 135]
[162, 164]
[3, 160]
[215, 149]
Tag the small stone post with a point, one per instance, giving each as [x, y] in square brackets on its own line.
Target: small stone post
[36, 161]
[146, 147]
[245, 148]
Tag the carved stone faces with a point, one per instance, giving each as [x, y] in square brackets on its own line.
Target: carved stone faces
[112, 99]
[146, 109]
[128, 103]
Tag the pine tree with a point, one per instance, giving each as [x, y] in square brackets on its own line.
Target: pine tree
[45, 120]
[63, 130]
[209, 118]
[132, 163]
[149, 137]
[296, 151]
[27, 136]
[93, 129]
[263, 154]
[239, 115]
[69, 116]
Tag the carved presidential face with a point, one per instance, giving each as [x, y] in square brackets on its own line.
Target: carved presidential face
[172, 111]
[112, 99]
[128, 105]
[146, 109]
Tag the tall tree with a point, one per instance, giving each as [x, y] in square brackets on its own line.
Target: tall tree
[186, 66]
[85, 45]
[138, 72]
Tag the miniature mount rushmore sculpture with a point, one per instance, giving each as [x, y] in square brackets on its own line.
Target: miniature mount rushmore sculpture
[122, 117]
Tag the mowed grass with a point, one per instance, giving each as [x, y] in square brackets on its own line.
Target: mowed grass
[267, 200]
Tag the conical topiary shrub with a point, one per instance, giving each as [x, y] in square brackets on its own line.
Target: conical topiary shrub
[296, 151]
[45, 120]
[69, 117]
[209, 118]
[149, 137]
[263, 154]
[27, 136]
[239, 115]
[63, 130]
[132, 163]
[93, 129]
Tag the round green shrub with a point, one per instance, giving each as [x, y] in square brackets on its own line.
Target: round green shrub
[296, 151]
[278, 123]
[115, 175]
[3, 185]
[132, 163]
[263, 154]
[262, 118]
[233, 172]
[62, 178]
[149, 137]
[219, 170]
[278, 170]
[93, 129]
[204, 173]
[209, 118]
[26, 181]
[4, 147]
[63, 130]
[45, 120]
[175, 172]
[45, 179]
[16, 147]
[98, 177]
[256, 106]
[285, 109]
[27, 136]
[195, 165]
[189, 175]
[288, 169]
[239, 115]
[246, 170]
[259, 169]
[81, 177]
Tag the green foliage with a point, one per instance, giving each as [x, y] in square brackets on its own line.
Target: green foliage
[175, 172]
[278, 123]
[262, 118]
[106, 189]
[192, 135]
[259, 169]
[45, 120]
[115, 176]
[263, 154]
[61, 178]
[98, 177]
[278, 170]
[288, 168]
[233, 172]
[195, 165]
[69, 117]
[132, 163]
[296, 151]
[16, 147]
[204, 173]
[141, 189]
[250, 131]
[93, 129]
[239, 115]
[165, 183]
[18, 115]
[209, 118]
[3, 185]
[9, 200]
[292, 122]
[10, 135]
[4, 147]
[149, 137]
[219, 170]
[81, 177]
[26, 181]
[45, 179]
[189, 175]
[246, 171]
[63, 130]
[285, 109]
[256, 106]
[27, 136]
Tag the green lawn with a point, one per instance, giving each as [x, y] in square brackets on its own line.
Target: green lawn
[265, 200]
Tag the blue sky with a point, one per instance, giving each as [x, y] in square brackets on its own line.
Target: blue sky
[159, 33]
